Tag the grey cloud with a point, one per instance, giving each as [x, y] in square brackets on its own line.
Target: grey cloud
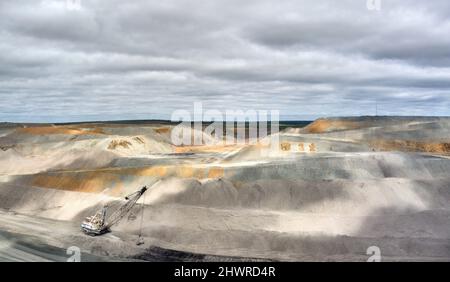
[143, 59]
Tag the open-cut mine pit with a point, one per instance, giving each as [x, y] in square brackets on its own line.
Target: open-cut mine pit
[332, 190]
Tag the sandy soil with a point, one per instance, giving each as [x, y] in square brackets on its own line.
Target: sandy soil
[331, 191]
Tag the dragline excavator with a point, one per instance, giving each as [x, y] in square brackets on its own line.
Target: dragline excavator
[99, 223]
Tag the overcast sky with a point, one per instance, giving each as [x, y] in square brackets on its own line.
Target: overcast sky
[117, 59]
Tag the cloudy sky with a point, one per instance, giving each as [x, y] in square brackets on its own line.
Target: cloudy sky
[116, 59]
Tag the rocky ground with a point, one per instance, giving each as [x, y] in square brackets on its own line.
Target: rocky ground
[329, 192]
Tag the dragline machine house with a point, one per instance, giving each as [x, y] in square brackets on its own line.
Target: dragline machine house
[100, 223]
